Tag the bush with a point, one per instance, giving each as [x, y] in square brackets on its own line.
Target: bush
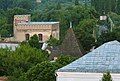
[107, 77]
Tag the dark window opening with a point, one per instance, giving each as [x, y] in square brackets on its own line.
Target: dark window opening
[40, 36]
[27, 36]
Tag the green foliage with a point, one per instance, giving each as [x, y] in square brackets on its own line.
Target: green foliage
[115, 18]
[72, 13]
[30, 64]
[65, 59]
[21, 77]
[76, 2]
[9, 8]
[27, 63]
[15, 63]
[3, 56]
[27, 4]
[110, 36]
[44, 71]
[53, 41]
[84, 33]
[14, 11]
[34, 42]
[52, 12]
[107, 77]
[118, 7]
[5, 28]
[104, 5]
[6, 22]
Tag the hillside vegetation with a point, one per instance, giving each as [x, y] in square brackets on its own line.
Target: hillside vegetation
[27, 63]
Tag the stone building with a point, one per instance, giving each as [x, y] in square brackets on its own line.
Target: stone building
[24, 29]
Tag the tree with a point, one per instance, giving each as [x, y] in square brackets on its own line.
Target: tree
[63, 60]
[110, 36]
[4, 4]
[5, 28]
[104, 5]
[53, 41]
[84, 33]
[3, 55]
[58, 6]
[34, 41]
[76, 2]
[14, 11]
[107, 77]
[115, 18]
[27, 4]
[15, 63]
[44, 71]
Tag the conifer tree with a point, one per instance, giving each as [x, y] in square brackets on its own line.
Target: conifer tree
[107, 77]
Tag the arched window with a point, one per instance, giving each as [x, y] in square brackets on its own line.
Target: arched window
[27, 36]
[40, 36]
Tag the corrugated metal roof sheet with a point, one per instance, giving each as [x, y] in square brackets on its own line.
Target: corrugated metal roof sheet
[104, 58]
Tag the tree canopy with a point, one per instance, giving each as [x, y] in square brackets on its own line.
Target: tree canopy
[34, 41]
[107, 77]
[84, 15]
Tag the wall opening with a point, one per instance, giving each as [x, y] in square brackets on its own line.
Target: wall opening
[40, 36]
[27, 37]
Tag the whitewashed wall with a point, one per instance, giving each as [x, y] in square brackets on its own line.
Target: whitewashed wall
[76, 76]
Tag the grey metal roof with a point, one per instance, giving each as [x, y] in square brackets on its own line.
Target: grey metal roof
[42, 23]
[104, 58]
[23, 15]
[8, 45]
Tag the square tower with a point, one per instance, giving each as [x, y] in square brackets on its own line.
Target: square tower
[20, 19]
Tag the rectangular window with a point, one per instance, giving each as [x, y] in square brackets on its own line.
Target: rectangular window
[27, 36]
[40, 37]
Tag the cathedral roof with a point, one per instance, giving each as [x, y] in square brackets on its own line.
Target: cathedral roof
[102, 59]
